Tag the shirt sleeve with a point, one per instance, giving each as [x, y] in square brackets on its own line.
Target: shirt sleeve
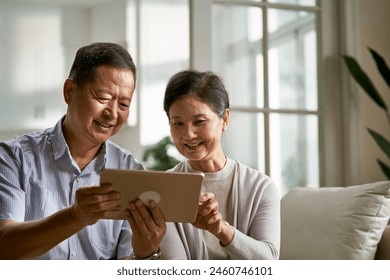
[124, 242]
[12, 195]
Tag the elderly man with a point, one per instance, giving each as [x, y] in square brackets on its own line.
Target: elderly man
[51, 204]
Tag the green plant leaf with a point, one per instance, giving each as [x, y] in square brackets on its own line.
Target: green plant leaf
[384, 168]
[364, 81]
[382, 66]
[158, 155]
[382, 142]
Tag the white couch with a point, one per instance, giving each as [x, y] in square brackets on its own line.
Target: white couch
[335, 222]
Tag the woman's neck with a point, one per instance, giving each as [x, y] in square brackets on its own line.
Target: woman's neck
[209, 165]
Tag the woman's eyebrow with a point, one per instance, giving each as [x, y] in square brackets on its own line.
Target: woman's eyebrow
[175, 117]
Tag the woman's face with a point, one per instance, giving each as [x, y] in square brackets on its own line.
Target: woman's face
[196, 130]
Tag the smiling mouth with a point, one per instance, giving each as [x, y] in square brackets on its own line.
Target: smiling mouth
[105, 125]
[192, 146]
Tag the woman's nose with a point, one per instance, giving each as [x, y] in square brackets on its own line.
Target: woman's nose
[189, 132]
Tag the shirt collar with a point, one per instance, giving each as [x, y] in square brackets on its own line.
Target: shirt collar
[60, 147]
[57, 138]
[101, 158]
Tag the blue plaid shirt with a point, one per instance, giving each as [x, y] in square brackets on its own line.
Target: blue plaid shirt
[39, 177]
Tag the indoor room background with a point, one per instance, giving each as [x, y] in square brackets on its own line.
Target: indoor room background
[296, 113]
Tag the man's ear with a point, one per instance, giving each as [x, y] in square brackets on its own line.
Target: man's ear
[68, 89]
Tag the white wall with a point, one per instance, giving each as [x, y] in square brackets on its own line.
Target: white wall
[372, 21]
[32, 30]
[37, 46]
[108, 22]
[375, 33]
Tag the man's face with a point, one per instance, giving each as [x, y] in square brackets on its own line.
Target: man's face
[98, 110]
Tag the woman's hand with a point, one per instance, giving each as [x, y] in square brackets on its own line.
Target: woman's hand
[208, 218]
[148, 226]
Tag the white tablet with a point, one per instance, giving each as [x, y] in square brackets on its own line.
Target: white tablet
[176, 193]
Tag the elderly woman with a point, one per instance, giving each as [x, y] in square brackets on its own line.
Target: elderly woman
[239, 212]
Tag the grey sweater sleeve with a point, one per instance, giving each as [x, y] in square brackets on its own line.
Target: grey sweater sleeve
[172, 247]
[257, 235]
[262, 240]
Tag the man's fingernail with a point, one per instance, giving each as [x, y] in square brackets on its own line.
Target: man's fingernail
[139, 203]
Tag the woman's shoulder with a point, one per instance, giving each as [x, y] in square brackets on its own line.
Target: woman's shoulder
[252, 175]
[246, 169]
[254, 182]
[178, 167]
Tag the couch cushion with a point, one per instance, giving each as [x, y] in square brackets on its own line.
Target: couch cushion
[334, 222]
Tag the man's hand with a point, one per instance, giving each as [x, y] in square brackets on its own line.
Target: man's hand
[94, 203]
[148, 226]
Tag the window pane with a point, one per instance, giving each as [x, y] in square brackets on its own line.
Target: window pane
[292, 60]
[164, 51]
[294, 150]
[236, 40]
[295, 2]
[244, 139]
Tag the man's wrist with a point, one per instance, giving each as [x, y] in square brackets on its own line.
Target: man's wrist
[154, 256]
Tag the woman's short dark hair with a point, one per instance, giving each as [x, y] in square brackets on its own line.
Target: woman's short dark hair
[205, 86]
[89, 58]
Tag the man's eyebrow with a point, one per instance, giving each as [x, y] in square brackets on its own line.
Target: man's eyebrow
[102, 91]
[99, 91]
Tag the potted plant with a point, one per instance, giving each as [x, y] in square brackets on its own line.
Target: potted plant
[369, 88]
[157, 156]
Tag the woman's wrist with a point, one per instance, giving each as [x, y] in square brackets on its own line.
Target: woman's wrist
[226, 234]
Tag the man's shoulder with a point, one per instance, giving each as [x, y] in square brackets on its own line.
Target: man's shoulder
[29, 139]
[118, 155]
[112, 147]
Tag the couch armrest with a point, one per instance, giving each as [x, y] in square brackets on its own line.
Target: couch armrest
[383, 251]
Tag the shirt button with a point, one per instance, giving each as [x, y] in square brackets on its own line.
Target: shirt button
[74, 254]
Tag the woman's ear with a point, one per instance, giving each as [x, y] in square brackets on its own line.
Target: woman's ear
[67, 91]
[225, 119]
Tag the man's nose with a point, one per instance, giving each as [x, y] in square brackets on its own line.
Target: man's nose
[112, 108]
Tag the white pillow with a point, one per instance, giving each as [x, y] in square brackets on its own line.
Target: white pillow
[334, 222]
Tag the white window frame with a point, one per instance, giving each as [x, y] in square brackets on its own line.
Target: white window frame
[336, 125]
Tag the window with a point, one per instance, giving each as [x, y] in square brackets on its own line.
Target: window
[266, 53]
[164, 50]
